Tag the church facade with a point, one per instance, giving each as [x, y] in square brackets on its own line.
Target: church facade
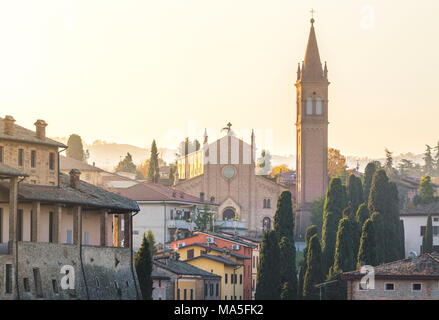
[311, 133]
[223, 172]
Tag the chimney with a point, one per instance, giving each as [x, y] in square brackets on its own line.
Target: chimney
[9, 125]
[41, 129]
[74, 178]
[201, 196]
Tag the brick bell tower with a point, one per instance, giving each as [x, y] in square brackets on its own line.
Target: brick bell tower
[311, 133]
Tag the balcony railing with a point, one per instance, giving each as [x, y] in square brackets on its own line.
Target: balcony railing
[230, 224]
[180, 224]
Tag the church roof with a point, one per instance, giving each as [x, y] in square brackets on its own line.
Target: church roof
[312, 66]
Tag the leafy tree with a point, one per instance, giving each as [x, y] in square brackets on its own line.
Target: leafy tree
[427, 240]
[426, 191]
[389, 160]
[204, 220]
[126, 165]
[406, 167]
[153, 170]
[268, 286]
[277, 170]
[144, 167]
[354, 192]
[367, 179]
[367, 254]
[75, 148]
[428, 161]
[313, 274]
[336, 163]
[377, 220]
[143, 264]
[151, 241]
[316, 216]
[288, 269]
[362, 214]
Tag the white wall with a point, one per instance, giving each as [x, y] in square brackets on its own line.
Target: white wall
[412, 232]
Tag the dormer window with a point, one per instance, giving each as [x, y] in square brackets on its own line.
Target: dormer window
[309, 106]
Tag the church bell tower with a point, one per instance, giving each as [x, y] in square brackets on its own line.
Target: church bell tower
[311, 133]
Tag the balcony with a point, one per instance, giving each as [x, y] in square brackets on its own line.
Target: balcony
[180, 224]
[231, 225]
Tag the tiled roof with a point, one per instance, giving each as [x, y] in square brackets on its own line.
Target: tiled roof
[422, 209]
[427, 266]
[246, 238]
[156, 274]
[220, 259]
[183, 268]
[25, 135]
[224, 237]
[67, 163]
[8, 171]
[156, 192]
[86, 195]
[221, 250]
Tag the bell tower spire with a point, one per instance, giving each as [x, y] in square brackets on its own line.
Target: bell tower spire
[311, 133]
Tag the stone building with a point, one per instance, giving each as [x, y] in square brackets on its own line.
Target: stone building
[224, 172]
[409, 279]
[50, 222]
[311, 133]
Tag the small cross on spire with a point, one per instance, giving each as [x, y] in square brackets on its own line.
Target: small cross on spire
[228, 127]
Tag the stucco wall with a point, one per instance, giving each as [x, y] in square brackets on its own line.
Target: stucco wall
[412, 232]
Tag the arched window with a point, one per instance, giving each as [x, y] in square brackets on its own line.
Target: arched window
[268, 203]
[266, 224]
[265, 203]
[309, 106]
[319, 106]
[228, 214]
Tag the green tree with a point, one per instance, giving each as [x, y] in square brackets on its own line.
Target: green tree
[428, 161]
[204, 219]
[316, 216]
[153, 170]
[362, 214]
[151, 241]
[126, 165]
[284, 217]
[378, 197]
[143, 264]
[354, 192]
[426, 190]
[75, 148]
[367, 179]
[344, 259]
[377, 220]
[367, 254]
[288, 269]
[268, 286]
[310, 231]
[335, 198]
[313, 274]
[427, 240]
[402, 239]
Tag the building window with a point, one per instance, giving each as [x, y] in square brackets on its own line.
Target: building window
[20, 225]
[8, 285]
[192, 294]
[436, 231]
[33, 158]
[389, 286]
[1, 154]
[434, 219]
[86, 238]
[423, 228]
[217, 290]
[205, 289]
[416, 287]
[20, 157]
[211, 289]
[319, 106]
[309, 106]
[190, 253]
[1, 225]
[178, 294]
[50, 226]
[226, 278]
[265, 203]
[69, 237]
[51, 161]
[184, 294]
[268, 203]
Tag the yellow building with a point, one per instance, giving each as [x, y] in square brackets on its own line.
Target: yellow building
[222, 262]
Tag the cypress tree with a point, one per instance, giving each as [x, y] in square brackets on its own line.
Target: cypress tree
[143, 264]
[367, 254]
[402, 239]
[310, 231]
[151, 241]
[329, 237]
[367, 179]
[344, 259]
[377, 220]
[378, 197]
[427, 244]
[313, 274]
[288, 270]
[284, 217]
[392, 227]
[355, 192]
[335, 198]
[268, 286]
[426, 191]
[362, 214]
[153, 170]
[75, 148]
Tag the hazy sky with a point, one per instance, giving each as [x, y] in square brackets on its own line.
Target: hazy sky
[130, 71]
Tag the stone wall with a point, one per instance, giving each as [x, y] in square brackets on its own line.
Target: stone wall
[103, 273]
